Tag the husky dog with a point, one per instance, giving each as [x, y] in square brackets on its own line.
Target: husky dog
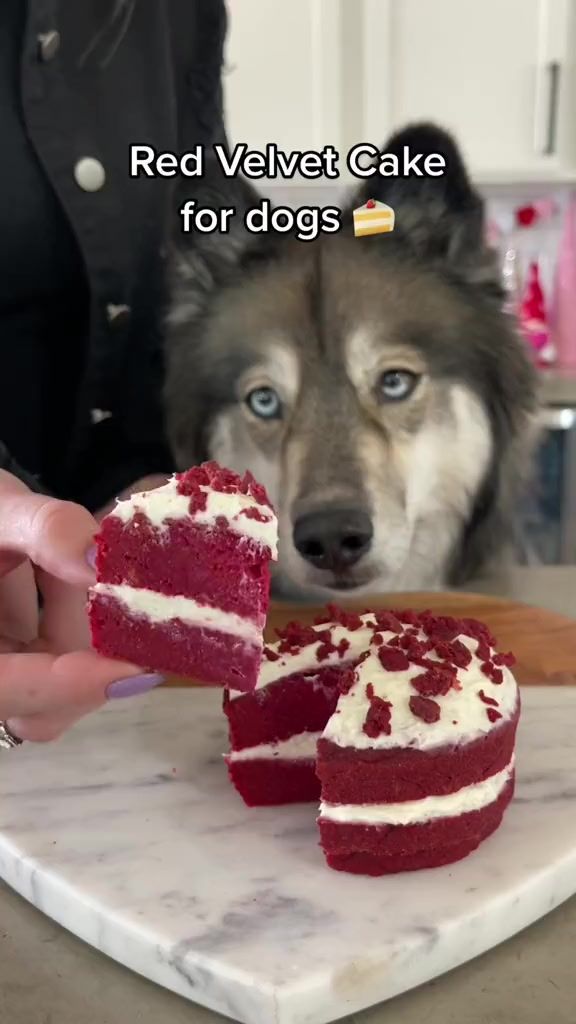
[374, 385]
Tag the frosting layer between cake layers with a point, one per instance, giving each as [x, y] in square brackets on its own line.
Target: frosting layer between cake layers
[300, 747]
[158, 607]
[428, 808]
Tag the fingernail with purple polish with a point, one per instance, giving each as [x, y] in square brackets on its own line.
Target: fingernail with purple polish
[91, 556]
[133, 686]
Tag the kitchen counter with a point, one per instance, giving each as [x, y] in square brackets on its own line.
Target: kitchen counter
[558, 387]
[48, 976]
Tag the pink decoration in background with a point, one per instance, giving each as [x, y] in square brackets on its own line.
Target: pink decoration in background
[564, 313]
[534, 320]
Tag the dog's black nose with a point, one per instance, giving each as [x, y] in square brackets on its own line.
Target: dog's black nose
[333, 539]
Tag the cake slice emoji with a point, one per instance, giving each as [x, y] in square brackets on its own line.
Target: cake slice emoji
[374, 218]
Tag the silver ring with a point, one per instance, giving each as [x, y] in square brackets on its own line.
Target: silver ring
[7, 739]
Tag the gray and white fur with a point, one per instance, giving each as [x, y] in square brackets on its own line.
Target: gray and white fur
[374, 385]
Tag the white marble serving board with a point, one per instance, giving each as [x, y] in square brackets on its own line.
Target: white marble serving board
[128, 834]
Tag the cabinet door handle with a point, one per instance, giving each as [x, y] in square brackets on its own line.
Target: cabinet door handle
[553, 70]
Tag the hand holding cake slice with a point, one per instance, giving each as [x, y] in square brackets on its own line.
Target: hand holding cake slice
[183, 577]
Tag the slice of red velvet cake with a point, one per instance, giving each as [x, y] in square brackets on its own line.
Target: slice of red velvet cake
[183, 577]
[417, 761]
[274, 730]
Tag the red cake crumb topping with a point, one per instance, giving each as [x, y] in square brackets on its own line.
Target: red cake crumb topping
[493, 673]
[408, 617]
[343, 646]
[483, 651]
[507, 659]
[427, 710]
[255, 513]
[454, 652]
[369, 691]
[415, 649]
[435, 682]
[441, 627]
[336, 616]
[487, 700]
[493, 715]
[215, 477]
[325, 650]
[388, 622]
[378, 716]
[270, 655]
[347, 680]
[295, 636]
[378, 639]
[393, 659]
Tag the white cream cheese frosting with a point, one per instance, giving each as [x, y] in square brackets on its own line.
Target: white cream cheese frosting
[298, 748]
[161, 608]
[163, 505]
[306, 659]
[429, 808]
[463, 716]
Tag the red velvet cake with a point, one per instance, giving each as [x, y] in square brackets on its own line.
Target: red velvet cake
[183, 577]
[408, 722]
[275, 729]
[417, 762]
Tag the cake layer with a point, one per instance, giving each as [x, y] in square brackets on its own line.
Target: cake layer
[349, 775]
[386, 849]
[234, 511]
[301, 703]
[297, 747]
[428, 808]
[215, 567]
[161, 608]
[174, 646]
[269, 783]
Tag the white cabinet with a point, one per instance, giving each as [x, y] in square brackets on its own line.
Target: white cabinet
[283, 78]
[499, 73]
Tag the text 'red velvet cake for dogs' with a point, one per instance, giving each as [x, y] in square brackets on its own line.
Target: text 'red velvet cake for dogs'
[409, 725]
[183, 577]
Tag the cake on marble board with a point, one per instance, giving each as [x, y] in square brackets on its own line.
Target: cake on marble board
[408, 722]
[417, 762]
[183, 577]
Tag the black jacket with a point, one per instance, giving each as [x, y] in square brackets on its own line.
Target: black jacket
[95, 77]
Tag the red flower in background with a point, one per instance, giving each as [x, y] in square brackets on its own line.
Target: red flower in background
[526, 216]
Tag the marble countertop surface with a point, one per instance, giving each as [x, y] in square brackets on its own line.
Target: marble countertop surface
[48, 976]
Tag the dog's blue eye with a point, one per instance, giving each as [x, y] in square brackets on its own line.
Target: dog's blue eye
[264, 403]
[396, 385]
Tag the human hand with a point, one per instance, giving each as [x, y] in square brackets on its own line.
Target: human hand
[48, 676]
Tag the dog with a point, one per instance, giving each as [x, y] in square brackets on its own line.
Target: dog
[375, 386]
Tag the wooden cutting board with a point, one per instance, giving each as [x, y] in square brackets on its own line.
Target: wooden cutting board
[544, 643]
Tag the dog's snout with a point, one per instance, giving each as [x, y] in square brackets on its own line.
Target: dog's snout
[333, 539]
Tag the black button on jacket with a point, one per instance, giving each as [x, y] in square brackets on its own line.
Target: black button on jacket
[81, 243]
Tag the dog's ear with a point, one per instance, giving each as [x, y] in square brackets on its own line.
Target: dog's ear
[201, 263]
[440, 218]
